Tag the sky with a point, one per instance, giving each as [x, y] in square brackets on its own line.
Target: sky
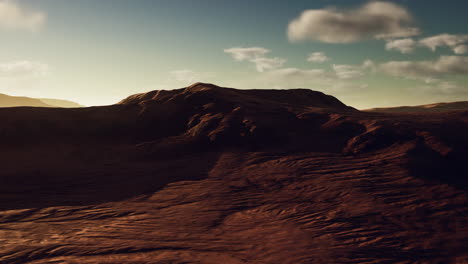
[365, 53]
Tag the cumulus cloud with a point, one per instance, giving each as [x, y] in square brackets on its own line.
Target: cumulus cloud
[458, 43]
[273, 71]
[462, 49]
[245, 54]
[455, 42]
[346, 72]
[405, 46]
[256, 55]
[376, 19]
[15, 17]
[23, 69]
[427, 70]
[319, 57]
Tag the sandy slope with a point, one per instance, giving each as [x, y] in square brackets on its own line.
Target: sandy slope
[213, 175]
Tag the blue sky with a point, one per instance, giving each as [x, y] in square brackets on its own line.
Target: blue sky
[98, 51]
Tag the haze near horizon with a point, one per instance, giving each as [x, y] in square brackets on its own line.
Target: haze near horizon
[366, 53]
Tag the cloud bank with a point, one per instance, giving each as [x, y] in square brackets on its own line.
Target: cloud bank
[427, 70]
[377, 19]
[14, 17]
[455, 42]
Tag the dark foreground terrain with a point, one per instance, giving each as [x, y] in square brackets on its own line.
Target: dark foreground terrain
[215, 175]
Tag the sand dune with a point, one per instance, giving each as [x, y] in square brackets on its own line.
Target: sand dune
[206, 174]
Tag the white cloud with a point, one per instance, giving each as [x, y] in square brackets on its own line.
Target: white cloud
[246, 54]
[23, 69]
[256, 55]
[14, 17]
[427, 70]
[405, 46]
[329, 78]
[294, 76]
[462, 49]
[376, 19]
[263, 64]
[368, 65]
[346, 72]
[319, 57]
[455, 42]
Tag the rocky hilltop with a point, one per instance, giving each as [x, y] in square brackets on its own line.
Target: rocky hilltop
[206, 174]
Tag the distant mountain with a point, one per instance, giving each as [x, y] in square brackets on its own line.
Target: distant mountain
[438, 107]
[60, 103]
[15, 101]
[12, 101]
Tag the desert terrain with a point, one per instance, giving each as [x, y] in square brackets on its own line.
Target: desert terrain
[206, 174]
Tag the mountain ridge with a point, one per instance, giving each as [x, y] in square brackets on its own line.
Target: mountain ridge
[23, 101]
[434, 107]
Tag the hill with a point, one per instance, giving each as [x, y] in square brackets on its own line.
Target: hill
[438, 107]
[18, 101]
[13, 101]
[60, 103]
[206, 174]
